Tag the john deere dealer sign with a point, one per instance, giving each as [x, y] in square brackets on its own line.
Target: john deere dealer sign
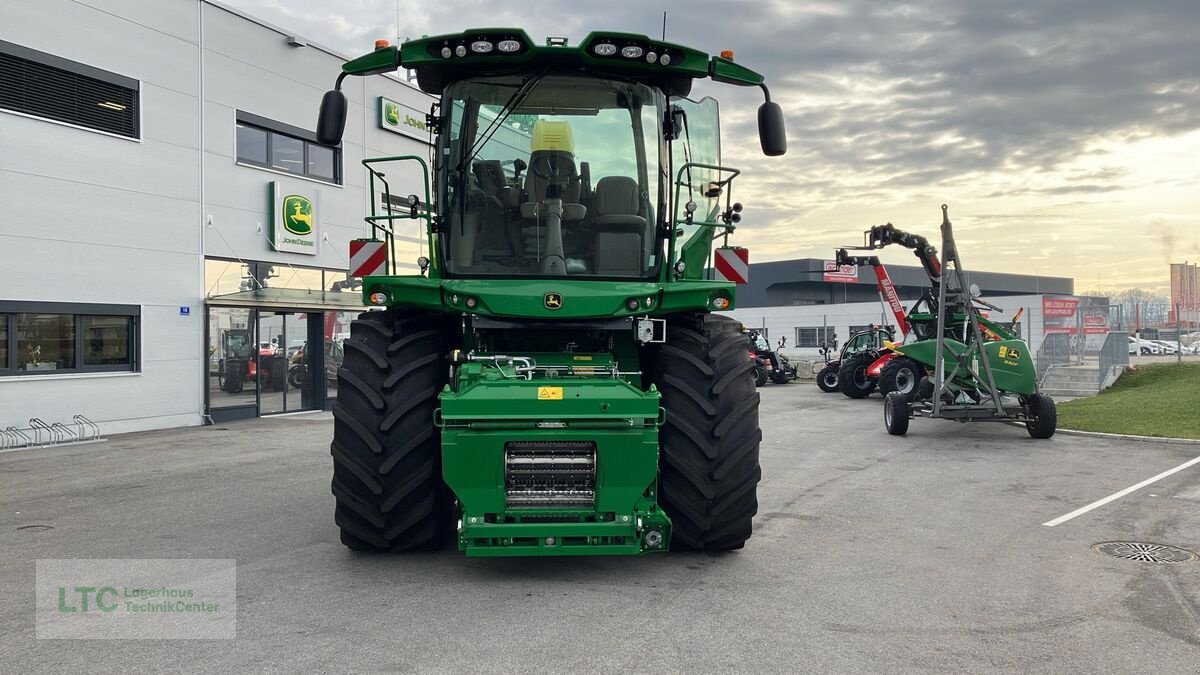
[402, 119]
[294, 224]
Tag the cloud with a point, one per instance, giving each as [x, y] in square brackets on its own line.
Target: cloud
[895, 106]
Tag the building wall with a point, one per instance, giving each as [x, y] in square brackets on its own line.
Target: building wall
[783, 321]
[94, 218]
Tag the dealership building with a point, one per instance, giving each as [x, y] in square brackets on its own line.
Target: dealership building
[798, 300]
[174, 238]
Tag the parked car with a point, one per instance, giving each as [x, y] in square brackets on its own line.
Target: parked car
[1167, 347]
[1146, 347]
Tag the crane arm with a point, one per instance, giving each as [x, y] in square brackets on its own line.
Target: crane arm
[887, 290]
[885, 235]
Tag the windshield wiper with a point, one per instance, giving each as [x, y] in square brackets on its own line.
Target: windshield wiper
[511, 104]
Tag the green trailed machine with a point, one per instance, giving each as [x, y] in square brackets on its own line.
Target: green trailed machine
[550, 380]
[981, 370]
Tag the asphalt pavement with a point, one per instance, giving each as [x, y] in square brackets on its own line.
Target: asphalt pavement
[926, 553]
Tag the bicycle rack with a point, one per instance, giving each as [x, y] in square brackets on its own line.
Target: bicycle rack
[65, 433]
[88, 430]
[38, 426]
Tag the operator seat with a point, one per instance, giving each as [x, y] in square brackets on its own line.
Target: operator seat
[552, 173]
[497, 236]
[622, 244]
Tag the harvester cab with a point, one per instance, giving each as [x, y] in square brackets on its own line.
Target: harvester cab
[553, 381]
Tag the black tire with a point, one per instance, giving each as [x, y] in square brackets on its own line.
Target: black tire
[387, 474]
[1042, 416]
[760, 376]
[295, 376]
[925, 389]
[852, 376]
[708, 458]
[896, 411]
[901, 374]
[827, 379]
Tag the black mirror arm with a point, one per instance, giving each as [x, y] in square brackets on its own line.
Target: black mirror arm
[766, 92]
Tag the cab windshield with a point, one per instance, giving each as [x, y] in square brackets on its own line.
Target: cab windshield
[552, 176]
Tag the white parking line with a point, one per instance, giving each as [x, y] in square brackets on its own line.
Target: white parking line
[1117, 495]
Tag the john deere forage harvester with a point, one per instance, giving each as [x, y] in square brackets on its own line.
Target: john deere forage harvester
[553, 381]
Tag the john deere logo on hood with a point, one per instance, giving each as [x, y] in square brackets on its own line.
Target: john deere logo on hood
[297, 215]
[391, 112]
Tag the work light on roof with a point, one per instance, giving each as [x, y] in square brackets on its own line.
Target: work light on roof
[665, 59]
[604, 49]
[460, 50]
[509, 46]
[632, 52]
[447, 52]
[481, 46]
[651, 57]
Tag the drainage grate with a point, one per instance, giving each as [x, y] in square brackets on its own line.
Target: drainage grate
[1143, 552]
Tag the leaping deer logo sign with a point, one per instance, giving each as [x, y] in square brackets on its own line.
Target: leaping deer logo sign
[297, 215]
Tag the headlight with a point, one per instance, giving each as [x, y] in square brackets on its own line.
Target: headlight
[508, 46]
[460, 50]
[604, 49]
[378, 298]
[720, 302]
[632, 52]
[481, 46]
[447, 52]
[651, 57]
[665, 59]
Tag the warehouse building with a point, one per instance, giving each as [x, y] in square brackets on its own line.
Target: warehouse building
[792, 300]
[175, 239]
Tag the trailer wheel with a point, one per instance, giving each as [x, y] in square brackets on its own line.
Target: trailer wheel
[1042, 416]
[708, 458]
[901, 374]
[896, 411]
[387, 476]
[852, 376]
[827, 379]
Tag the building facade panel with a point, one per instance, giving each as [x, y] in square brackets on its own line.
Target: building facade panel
[93, 218]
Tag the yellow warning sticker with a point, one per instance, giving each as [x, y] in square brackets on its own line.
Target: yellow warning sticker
[583, 358]
[1003, 351]
[550, 393]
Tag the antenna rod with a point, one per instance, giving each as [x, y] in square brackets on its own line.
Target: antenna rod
[664, 37]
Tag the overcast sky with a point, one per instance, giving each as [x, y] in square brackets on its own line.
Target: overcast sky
[1064, 134]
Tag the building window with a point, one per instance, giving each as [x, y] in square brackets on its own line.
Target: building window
[46, 86]
[815, 337]
[273, 145]
[40, 338]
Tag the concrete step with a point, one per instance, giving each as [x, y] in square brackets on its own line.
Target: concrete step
[1065, 392]
[1093, 380]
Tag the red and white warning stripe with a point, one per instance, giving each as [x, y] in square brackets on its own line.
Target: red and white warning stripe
[733, 264]
[368, 257]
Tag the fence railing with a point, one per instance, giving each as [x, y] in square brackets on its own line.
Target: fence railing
[1114, 358]
[1056, 350]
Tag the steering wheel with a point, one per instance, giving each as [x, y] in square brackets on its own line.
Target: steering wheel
[544, 168]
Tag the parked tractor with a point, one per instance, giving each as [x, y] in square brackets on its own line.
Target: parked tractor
[553, 381]
[849, 372]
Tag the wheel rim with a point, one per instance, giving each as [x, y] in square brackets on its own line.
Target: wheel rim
[887, 414]
[830, 379]
[860, 378]
[906, 380]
